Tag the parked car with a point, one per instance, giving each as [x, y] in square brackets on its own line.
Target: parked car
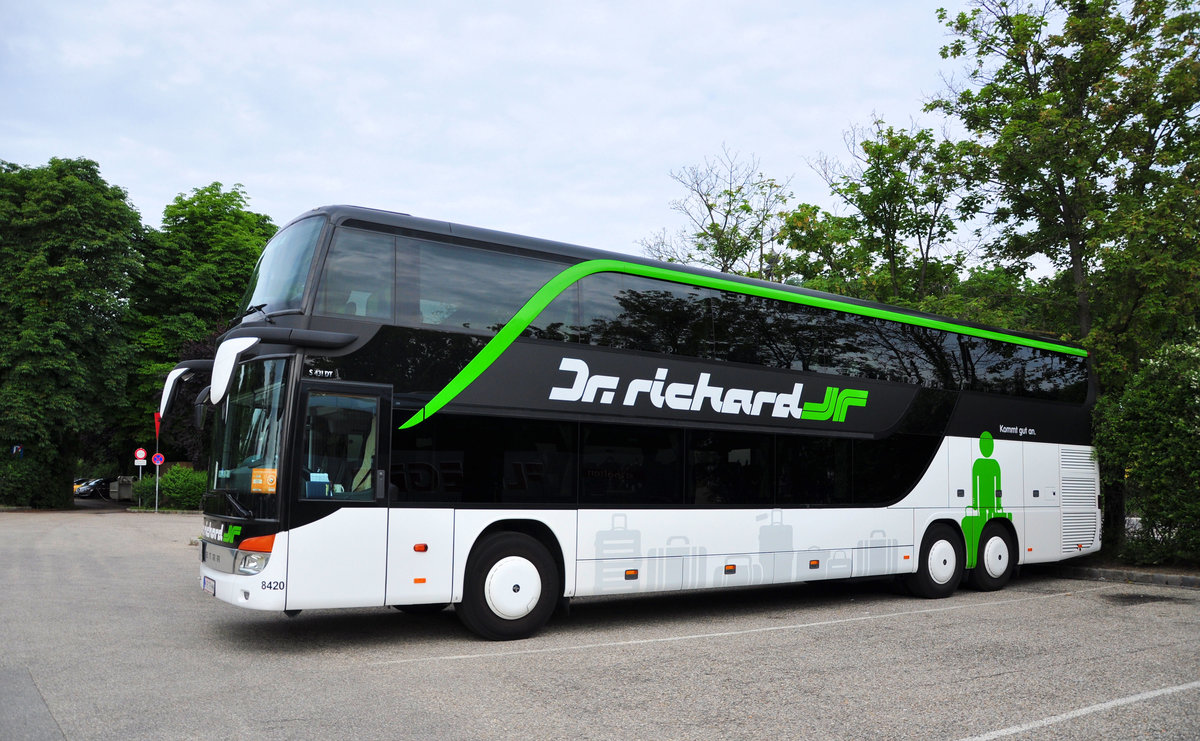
[95, 487]
[79, 483]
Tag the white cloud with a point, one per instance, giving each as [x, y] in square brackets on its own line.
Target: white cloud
[559, 120]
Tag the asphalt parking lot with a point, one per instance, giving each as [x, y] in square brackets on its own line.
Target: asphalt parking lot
[105, 634]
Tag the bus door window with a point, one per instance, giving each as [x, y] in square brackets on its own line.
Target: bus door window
[338, 454]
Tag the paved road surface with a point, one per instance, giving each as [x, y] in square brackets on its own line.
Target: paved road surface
[105, 634]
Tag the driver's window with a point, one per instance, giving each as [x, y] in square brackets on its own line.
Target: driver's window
[338, 456]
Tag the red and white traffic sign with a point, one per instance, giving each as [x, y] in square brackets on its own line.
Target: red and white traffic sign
[140, 454]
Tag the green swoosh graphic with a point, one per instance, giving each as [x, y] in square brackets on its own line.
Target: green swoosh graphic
[559, 283]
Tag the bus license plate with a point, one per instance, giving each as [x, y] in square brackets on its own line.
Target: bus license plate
[210, 585]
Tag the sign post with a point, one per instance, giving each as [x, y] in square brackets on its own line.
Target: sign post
[139, 460]
[157, 459]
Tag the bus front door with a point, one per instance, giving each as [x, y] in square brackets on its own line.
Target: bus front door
[337, 540]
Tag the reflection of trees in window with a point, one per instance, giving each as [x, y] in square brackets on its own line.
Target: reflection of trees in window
[634, 313]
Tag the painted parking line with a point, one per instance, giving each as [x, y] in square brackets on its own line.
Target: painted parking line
[1098, 708]
[732, 633]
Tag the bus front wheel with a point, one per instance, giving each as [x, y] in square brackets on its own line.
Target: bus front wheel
[512, 586]
[940, 569]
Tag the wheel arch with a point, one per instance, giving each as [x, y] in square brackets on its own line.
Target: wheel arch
[535, 529]
[954, 524]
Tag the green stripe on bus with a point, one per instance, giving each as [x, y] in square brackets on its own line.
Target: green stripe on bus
[559, 283]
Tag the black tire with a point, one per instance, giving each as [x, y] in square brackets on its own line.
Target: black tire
[996, 560]
[502, 567]
[940, 569]
[431, 609]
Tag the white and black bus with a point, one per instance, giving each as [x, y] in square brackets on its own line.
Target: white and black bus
[413, 413]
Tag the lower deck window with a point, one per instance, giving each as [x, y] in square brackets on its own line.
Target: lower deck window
[451, 459]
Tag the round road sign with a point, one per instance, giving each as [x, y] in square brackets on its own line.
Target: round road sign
[140, 454]
[158, 459]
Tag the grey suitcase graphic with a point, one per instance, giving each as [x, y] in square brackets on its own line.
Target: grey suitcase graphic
[618, 550]
[840, 565]
[776, 543]
[661, 564]
[875, 555]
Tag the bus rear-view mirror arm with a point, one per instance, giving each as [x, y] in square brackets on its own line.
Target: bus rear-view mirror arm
[182, 371]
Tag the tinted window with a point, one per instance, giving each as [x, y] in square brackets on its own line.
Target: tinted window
[621, 464]
[830, 472]
[635, 313]
[357, 279]
[631, 313]
[455, 287]
[485, 460]
[731, 469]
[814, 471]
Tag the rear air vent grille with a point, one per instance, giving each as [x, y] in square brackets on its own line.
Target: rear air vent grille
[1079, 493]
[1078, 459]
[1078, 530]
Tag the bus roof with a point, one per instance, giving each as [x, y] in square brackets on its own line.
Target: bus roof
[604, 260]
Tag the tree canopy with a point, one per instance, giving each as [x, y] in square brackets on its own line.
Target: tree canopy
[68, 255]
[95, 308]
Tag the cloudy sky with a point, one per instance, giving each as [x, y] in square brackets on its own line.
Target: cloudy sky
[561, 120]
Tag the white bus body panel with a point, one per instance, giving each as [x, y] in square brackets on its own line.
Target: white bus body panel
[339, 560]
[1042, 532]
[413, 577]
[693, 549]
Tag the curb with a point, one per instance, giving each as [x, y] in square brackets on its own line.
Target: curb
[1134, 577]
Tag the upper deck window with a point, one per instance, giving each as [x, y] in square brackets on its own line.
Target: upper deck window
[358, 278]
[419, 283]
[282, 271]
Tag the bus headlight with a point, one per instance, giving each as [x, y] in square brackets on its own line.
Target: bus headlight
[252, 563]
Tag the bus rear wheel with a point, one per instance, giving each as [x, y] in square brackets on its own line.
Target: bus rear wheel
[512, 586]
[994, 564]
[940, 569]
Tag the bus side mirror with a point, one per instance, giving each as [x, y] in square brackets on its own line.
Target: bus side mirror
[201, 406]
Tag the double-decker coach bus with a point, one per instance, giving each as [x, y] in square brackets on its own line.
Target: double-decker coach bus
[413, 413]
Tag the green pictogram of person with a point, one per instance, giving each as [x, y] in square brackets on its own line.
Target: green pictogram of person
[986, 494]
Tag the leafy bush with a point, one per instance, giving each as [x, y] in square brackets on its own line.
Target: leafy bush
[143, 490]
[178, 488]
[1150, 432]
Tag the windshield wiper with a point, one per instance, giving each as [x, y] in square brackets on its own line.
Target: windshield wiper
[245, 513]
[253, 309]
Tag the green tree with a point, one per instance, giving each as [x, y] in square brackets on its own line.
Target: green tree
[68, 253]
[1080, 108]
[733, 215]
[823, 252]
[197, 268]
[908, 191]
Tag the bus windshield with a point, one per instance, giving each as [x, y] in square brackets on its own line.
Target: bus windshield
[281, 274]
[247, 436]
